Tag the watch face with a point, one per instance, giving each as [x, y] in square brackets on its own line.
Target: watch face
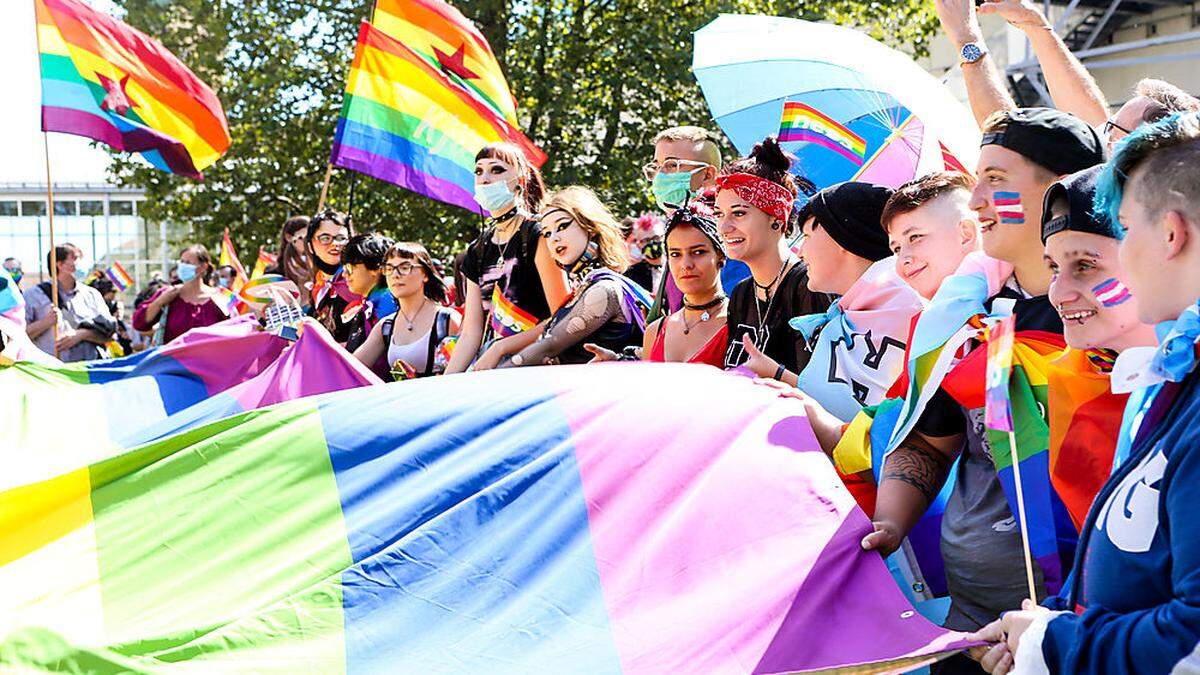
[971, 53]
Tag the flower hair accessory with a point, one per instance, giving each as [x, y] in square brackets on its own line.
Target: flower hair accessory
[766, 195]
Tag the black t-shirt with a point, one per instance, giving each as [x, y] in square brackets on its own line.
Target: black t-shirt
[769, 330]
[645, 275]
[510, 266]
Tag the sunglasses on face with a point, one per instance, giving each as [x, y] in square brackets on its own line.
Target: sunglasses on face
[330, 239]
[403, 269]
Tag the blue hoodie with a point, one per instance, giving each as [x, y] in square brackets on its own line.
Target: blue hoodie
[1135, 587]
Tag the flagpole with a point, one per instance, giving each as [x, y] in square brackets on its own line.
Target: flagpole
[1016, 466]
[53, 246]
[325, 187]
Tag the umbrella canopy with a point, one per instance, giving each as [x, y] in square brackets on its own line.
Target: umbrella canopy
[849, 107]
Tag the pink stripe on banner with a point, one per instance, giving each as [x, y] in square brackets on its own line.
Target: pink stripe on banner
[806, 136]
[734, 552]
[225, 354]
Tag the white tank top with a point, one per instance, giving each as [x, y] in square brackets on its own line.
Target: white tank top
[415, 354]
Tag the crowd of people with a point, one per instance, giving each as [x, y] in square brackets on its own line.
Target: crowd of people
[1083, 227]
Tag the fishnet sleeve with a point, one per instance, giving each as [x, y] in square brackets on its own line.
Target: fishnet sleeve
[597, 305]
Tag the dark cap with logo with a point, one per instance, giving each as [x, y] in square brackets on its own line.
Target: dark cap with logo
[1078, 190]
[1057, 141]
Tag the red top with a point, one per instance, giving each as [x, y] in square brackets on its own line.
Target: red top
[712, 353]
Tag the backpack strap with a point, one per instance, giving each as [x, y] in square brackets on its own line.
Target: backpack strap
[437, 333]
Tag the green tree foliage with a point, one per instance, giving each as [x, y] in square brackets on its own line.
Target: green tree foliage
[595, 80]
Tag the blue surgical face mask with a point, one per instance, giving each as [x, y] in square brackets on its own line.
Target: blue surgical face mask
[494, 197]
[186, 271]
[223, 282]
[673, 190]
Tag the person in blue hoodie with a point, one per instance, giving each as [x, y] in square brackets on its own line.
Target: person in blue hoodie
[1132, 601]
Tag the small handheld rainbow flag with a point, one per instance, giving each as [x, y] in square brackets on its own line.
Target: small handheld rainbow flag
[997, 413]
[229, 257]
[264, 261]
[106, 81]
[1009, 209]
[507, 318]
[803, 123]
[119, 276]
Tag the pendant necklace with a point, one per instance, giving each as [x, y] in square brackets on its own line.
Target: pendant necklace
[704, 316]
[411, 320]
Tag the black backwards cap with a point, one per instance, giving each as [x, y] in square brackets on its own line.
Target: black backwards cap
[1079, 190]
[1057, 141]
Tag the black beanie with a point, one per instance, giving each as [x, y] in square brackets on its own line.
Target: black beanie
[850, 212]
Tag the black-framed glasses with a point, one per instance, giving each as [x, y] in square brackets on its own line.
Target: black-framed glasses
[402, 269]
[1109, 125]
[332, 239]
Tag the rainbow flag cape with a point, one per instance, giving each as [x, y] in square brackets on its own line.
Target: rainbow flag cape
[1052, 535]
[530, 532]
[407, 120]
[804, 123]
[106, 81]
[440, 33]
[120, 277]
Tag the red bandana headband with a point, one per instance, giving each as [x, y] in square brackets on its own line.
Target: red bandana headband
[766, 195]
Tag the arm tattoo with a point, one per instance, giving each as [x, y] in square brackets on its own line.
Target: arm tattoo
[919, 464]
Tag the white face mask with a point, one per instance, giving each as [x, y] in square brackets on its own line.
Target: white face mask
[494, 197]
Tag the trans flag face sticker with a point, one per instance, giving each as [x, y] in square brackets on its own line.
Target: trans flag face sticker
[1008, 207]
[1111, 293]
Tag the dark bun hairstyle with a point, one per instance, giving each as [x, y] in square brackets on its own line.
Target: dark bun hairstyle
[767, 160]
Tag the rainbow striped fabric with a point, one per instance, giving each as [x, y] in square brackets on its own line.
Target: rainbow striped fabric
[408, 120]
[265, 259]
[117, 274]
[507, 318]
[529, 532]
[801, 122]
[106, 81]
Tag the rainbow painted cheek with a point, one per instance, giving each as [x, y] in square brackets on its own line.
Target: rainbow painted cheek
[1111, 293]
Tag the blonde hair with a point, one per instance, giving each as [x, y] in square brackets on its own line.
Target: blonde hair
[696, 135]
[586, 209]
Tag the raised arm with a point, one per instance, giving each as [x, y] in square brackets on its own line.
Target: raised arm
[985, 83]
[1071, 85]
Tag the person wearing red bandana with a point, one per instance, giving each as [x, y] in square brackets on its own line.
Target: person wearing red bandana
[754, 203]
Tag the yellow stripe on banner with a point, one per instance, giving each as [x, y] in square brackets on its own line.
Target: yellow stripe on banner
[491, 79]
[49, 567]
[154, 112]
[404, 87]
[1035, 362]
[852, 454]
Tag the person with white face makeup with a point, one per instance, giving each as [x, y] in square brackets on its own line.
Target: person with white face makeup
[1132, 604]
[605, 308]
[511, 281]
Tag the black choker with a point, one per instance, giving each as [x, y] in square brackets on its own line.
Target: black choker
[708, 305]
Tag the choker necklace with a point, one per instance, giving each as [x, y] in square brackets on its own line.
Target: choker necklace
[705, 316]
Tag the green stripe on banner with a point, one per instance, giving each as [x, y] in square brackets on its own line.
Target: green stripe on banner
[58, 67]
[1029, 421]
[375, 114]
[248, 549]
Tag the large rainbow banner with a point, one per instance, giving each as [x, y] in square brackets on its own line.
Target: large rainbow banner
[581, 522]
[106, 81]
[804, 123]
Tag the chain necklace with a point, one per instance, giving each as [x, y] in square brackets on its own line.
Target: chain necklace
[758, 310]
[411, 320]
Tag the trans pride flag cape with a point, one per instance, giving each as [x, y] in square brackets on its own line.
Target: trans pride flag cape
[580, 523]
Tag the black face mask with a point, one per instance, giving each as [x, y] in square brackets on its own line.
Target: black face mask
[325, 267]
[653, 248]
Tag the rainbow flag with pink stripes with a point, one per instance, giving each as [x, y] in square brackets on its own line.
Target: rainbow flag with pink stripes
[507, 317]
[804, 123]
[526, 532]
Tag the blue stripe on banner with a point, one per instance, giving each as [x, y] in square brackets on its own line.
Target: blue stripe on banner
[386, 144]
[142, 390]
[477, 541]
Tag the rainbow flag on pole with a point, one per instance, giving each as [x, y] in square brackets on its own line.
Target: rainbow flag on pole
[529, 532]
[120, 277]
[997, 412]
[407, 119]
[803, 123]
[106, 81]
[264, 260]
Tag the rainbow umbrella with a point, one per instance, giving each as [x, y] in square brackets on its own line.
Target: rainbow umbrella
[849, 107]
